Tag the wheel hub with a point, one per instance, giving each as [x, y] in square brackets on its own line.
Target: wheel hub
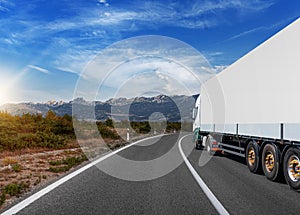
[294, 168]
[251, 156]
[269, 162]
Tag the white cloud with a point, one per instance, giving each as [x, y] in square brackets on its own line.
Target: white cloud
[219, 68]
[147, 14]
[152, 82]
[107, 14]
[37, 68]
[96, 21]
[215, 53]
[104, 2]
[167, 78]
[4, 5]
[74, 60]
[3, 8]
[136, 16]
[254, 30]
[148, 53]
[26, 95]
[246, 33]
[180, 73]
[200, 7]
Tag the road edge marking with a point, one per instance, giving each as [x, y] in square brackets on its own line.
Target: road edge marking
[212, 198]
[26, 202]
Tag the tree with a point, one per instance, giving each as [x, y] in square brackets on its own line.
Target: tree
[109, 123]
[51, 115]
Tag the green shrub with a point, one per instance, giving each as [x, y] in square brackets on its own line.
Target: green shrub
[55, 163]
[141, 127]
[107, 132]
[16, 167]
[109, 123]
[34, 130]
[67, 163]
[59, 169]
[71, 161]
[173, 126]
[13, 189]
[2, 198]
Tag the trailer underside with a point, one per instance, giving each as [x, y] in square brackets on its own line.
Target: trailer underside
[276, 158]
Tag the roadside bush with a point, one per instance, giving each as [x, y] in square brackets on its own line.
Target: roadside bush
[141, 127]
[59, 169]
[55, 163]
[144, 128]
[34, 130]
[107, 132]
[51, 140]
[173, 126]
[66, 164]
[2, 198]
[16, 167]
[109, 123]
[13, 189]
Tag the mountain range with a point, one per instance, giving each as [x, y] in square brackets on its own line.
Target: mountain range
[161, 107]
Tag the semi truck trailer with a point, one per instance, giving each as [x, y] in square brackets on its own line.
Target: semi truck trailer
[252, 108]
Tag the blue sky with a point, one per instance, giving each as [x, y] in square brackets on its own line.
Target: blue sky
[45, 45]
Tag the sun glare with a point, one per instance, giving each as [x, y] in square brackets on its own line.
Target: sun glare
[6, 87]
[4, 93]
[10, 85]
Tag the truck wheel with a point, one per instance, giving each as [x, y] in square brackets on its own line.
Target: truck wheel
[197, 145]
[291, 168]
[252, 157]
[208, 145]
[271, 162]
[204, 139]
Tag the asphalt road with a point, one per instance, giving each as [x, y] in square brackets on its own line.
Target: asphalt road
[118, 191]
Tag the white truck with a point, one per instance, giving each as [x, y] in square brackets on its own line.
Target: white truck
[252, 108]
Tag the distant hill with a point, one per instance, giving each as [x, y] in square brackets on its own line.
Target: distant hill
[139, 108]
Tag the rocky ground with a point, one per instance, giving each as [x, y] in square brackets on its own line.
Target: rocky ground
[21, 173]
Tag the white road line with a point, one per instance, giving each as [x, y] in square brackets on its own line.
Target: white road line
[15, 209]
[212, 198]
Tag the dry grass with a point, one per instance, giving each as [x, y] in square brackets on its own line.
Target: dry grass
[8, 161]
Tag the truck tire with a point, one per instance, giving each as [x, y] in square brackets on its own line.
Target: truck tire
[291, 168]
[204, 141]
[252, 157]
[270, 160]
[208, 145]
[198, 145]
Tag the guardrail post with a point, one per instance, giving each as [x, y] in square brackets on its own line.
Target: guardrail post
[127, 136]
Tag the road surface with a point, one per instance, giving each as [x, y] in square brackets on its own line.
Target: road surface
[227, 177]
